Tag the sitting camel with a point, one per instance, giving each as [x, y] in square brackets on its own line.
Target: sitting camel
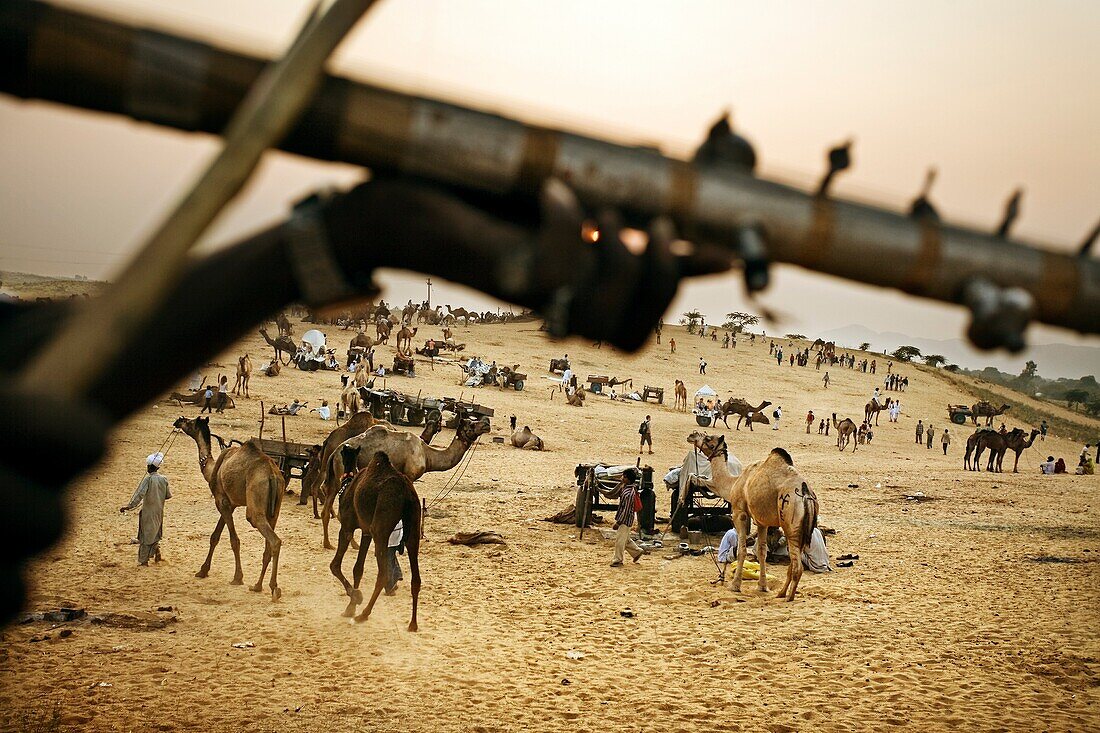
[527, 440]
[244, 373]
[407, 453]
[198, 398]
[874, 408]
[743, 410]
[377, 499]
[771, 492]
[681, 393]
[845, 432]
[576, 399]
[241, 476]
[405, 336]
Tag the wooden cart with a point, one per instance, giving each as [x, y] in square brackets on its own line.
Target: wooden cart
[959, 414]
[594, 486]
[656, 392]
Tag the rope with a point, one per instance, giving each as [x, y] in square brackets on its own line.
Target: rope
[168, 442]
[452, 482]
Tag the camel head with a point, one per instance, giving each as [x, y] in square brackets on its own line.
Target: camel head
[470, 430]
[708, 445]
[312, 472]
[199, 427]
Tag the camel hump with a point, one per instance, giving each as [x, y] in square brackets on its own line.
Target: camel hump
[784, 455]
[380, 458]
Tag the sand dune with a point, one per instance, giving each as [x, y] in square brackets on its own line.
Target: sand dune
[945, 622]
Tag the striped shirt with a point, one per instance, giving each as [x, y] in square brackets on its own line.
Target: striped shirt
[625, 515]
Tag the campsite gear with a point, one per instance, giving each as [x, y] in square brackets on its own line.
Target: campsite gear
[706, 406]
[596, 481]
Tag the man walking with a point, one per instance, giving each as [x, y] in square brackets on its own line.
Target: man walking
[646, 433]
[920, 431]
[629, 504]
[207, 400]
[931, 436]
[395, 545]
[1043, 430]
[702, 365]
[946, 440]
[825, 379]
[151, 494]
[776, 414]
[672, 343]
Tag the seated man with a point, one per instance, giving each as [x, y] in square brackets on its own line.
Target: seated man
[1047, 466]
[727, 553]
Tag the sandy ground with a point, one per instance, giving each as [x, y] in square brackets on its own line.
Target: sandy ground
[946, 621]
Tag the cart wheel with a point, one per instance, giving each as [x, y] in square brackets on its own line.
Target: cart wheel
[958, 418]
[396, 412]
[702, 421]
[584, 504]
[518, 385]
[415, 416]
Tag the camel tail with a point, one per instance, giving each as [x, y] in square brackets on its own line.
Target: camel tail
[809, 514]
[274, 490]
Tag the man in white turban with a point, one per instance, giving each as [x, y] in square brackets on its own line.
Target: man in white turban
[151, 494]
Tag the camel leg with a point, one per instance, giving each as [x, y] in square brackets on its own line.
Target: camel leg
[762, 558]
[794, 569]
[326, 511]
[412, 549]
[336, 568]
[742, 542]
[357, 571]
[235, 543]
[379, 581]
[215, 536]
[272, 545]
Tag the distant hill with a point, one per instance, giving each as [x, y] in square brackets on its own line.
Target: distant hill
[1054, 360]
[27, 286]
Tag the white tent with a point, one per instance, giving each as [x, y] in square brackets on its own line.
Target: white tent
[705, 391]
[315, 339]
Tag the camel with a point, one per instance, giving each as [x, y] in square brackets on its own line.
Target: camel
[988, 411]
[283, 324]
[361, 341]
[997, 443]
[408, 312]
[743, 410]
[407, 453]
[405, 336]
[241, 476]
[383, 328]
[874, 408]
[1017, 443]
[462, 313]
[845, 433]
[376, 499]
[314, 476]
[576, 399]
[281, 345]
[773, 494]
[351, 402]
[428, 316]
[527, 440]
[244, 373]
[433, 424]
[196, 398]
[448, 335]
[681, 393]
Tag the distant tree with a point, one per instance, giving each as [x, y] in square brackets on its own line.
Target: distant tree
[1075, 397]
[1093, 406]
[796, 336]
[737, 321]
[934, 360]
[1030, 369]
[953, 368]
[906, 353]
[692, 319]
[1089, 382]
[865, 345]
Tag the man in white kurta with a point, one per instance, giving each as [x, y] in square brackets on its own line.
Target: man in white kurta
[151, 494]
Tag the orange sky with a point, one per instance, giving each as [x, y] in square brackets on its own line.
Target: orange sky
[996, 94]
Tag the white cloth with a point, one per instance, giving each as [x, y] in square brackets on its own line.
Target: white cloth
[154, 459]
[815, 557]
[727, 550]
[395, 535]
[324, 412]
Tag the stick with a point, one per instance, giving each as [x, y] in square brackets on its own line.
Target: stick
[95, 334]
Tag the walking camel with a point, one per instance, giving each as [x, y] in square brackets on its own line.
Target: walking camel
[1017, 443]
[376, 500]
[283, 324]
[240, 476]
[773, 494]
[874, 408]
[405, 336]
[681, 393]
[314, 476]
[244, 373]
[743, 410]
[281, 345]
[407, 453]
[383, 328]
[845, 433]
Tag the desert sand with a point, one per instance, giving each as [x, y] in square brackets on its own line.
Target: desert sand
[953, 617]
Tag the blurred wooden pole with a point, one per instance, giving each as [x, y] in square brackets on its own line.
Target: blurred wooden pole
[98, 331]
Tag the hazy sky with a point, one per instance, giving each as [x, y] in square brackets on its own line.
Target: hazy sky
[995, 94]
